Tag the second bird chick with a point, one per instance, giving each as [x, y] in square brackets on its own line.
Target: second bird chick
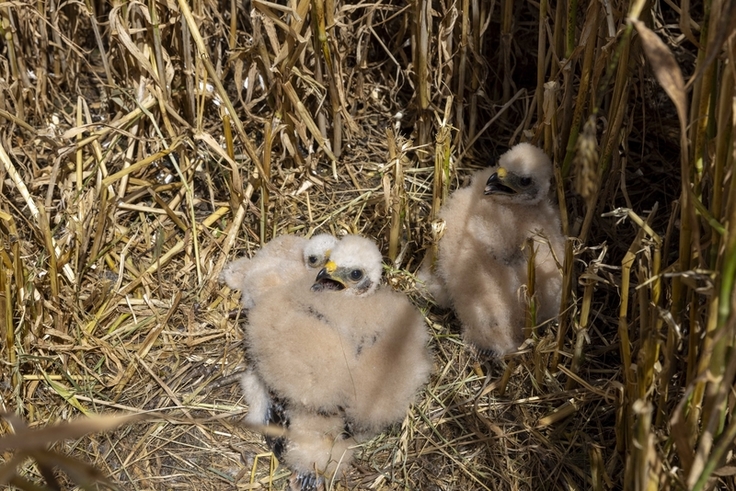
[482, 262]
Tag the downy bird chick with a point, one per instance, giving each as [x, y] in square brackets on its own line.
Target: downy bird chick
[337, 352]
[284, 259]
[482, 259]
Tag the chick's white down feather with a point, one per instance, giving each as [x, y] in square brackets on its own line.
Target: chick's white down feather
[482, 258]
[282, 260]
[257, 397]
[360, 357]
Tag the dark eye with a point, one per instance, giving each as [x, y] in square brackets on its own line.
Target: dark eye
[525, 181]
[312, 259]
[356, 274]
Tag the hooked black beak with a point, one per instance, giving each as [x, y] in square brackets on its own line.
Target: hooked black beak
[495, 185]
[325, 281]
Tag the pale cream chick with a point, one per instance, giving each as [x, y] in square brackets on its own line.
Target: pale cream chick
[338, 346]
[482, 259]
[284, 259]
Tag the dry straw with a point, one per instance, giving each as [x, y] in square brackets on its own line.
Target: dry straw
[145, 144]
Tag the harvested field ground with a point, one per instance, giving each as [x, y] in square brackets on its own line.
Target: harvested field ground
[145, 144]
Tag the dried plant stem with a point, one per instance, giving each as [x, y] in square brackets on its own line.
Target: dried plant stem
[561, 199]
[630, 380]
[421, 62]
[722, 447]
[571, 24]
[34, 209]
[204, 57]
[651, 323]
[320, 12]
[717, 359]
[158, 52]
[188, 71]
[233, 28]
[507, 14]
[580, 328]
[551, 89]
[227, 243]
[612, 135]
[45, 229]
[120, 123]
[17, 65]
[724, 148]
[503, 383]
[588, 37]
[639, 469]
[619, 100]
[476, 22]
[442, 163]
[266, 179]
[396, 200]
[79, 156]
[700, 106]
[10, 276]
[146, 345]
[565, 313]
[306, 118]
[462, 66]
[541, 58]
[130, 152]
[531, 311]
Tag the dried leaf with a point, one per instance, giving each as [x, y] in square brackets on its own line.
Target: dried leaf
[79, 471]
[724, 29]
[8, 468]
[25, 439]
[666, 69]
[726, 471]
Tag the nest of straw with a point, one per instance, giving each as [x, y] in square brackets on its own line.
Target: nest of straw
[144, 145]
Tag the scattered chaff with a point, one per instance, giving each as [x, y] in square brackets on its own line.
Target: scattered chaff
[143, 146]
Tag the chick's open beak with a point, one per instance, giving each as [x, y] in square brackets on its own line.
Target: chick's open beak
[501, 182]
[327, 279]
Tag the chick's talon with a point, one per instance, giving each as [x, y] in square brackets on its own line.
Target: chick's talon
[306, 481]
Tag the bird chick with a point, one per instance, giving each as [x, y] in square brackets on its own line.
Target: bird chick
[482, 261]
[338, 351]
[284, 259]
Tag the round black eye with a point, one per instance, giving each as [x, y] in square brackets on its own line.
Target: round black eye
[312, 259]
[356, 274]
[525, 181]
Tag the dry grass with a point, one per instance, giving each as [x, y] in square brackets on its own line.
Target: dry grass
[145, 144]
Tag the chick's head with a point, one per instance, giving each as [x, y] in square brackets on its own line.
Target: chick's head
[318, 249]
[523, 176]
[354, 266]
